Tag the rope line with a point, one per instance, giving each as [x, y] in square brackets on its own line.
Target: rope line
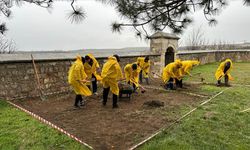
[168, 127]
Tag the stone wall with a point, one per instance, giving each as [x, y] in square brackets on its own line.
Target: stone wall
[18, 77]
[216, 55]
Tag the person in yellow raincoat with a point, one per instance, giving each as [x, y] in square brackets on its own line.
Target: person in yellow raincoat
[77, 79]
[224, 71]
[90, 66]
[169, 73]
[144, 64]
[111, 74]
[185, 70]
[132, 75]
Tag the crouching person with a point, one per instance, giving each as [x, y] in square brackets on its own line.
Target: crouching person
[185, 70]
[144, 64]
[132, 75]
[170, 73]
[224, 71]
[111, 73]
[77, 79]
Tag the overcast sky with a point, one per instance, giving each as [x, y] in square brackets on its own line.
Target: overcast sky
[34, 28]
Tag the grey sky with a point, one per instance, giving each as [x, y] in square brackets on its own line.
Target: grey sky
[34, 28]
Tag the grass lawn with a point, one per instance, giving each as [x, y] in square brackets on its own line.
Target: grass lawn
[20, 131]
[217, 125]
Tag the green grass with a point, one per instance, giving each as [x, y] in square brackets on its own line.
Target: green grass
[20, 131]
[217, 125]
[240, 73]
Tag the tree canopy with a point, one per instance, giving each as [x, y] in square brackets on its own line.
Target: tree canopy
[142, 15]
[157, 15]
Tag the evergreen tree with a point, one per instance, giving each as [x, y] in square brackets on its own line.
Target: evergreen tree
[140, 14]
[159, 14]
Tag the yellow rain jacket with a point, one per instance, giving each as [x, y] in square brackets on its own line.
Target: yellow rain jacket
[220, 71]
[111, 72]
[171, 71]
[187, 67]
[132, 75]
[145, 66]
[89, 70]
[76, 74]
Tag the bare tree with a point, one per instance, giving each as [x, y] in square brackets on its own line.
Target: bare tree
[196, 39]
[7, 46]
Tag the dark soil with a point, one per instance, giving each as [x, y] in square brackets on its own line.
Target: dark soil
[107, 128]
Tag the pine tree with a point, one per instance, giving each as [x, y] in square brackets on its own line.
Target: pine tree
[160, 14]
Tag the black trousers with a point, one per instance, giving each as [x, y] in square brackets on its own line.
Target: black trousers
[226, 80]
[94, 84]
[169, 84]
[140, 78]
[78, 100]
[105, 97]
[178, 83]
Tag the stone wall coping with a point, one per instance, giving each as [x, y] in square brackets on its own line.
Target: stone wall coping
[210, 51]
[63, 56]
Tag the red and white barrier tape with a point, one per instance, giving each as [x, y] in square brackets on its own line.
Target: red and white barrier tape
[50, 124]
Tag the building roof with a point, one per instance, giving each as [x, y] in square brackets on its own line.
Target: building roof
[164, 35]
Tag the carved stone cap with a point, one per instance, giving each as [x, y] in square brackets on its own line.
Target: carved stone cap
[164, 35]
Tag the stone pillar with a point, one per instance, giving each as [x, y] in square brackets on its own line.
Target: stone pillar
[165, 44]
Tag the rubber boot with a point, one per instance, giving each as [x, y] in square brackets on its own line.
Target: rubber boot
[105, 96]
[180, 84]
[171, 86]
[226, 80]
[115, 97]
[218, 83]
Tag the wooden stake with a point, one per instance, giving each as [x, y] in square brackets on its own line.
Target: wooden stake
[37, 79]
[245, 110]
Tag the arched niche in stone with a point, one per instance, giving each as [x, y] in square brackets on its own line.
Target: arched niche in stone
[166, 45]
[169, 55]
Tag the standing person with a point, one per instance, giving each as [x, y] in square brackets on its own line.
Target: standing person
[132, 75]
[90, 67]
[144, 64]
[169, 73]
[224, 71]
[77, 79]
[111, 73]
[185, 70]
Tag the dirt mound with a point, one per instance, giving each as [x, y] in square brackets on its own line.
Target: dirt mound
[154, 103]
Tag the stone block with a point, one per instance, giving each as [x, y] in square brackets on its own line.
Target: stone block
[46, 80]
[26, 77]
[30, 71]
[11, 66]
